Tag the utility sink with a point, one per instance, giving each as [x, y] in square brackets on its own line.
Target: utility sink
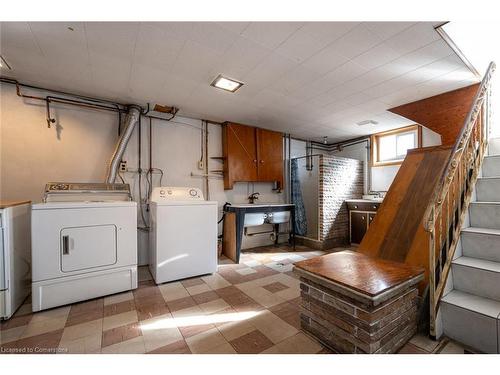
[254, 219]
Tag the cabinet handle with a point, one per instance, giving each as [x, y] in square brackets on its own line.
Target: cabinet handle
[65, 243]
[355, 206]
[363, 217]
[374, 206]
[262, 162]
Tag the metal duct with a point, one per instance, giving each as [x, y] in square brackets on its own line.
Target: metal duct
[130, 121]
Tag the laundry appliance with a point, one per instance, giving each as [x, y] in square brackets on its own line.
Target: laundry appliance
[15, 256]
[183, 234]
[84, 243]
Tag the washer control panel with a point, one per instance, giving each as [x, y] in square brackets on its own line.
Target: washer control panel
[172, 193]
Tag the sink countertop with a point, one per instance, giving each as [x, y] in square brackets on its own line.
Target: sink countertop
[377, 200]
[249, 205]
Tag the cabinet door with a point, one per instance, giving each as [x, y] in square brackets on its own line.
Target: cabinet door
[270, 156]
[358, 226]
[371, 216]
[240, 153]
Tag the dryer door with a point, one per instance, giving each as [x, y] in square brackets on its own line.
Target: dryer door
[88, 247]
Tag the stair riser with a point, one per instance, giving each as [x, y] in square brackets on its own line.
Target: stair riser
[476, 330]
[488, 190]
[482, 246]
[491, 166]
[476, 281]
[485, 215]
[494, 146]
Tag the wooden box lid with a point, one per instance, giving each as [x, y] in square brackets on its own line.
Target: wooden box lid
[359, 272]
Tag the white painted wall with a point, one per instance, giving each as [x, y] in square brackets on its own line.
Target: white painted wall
[78, 147]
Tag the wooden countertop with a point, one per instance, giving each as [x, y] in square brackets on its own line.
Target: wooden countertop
[364, 274]
[5, 204]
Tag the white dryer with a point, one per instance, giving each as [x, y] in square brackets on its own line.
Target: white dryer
[82, 249]
[183, 234]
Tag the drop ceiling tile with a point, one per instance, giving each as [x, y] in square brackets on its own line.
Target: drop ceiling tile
[213, 36]
[328, 32]
[268, 71]
[235, 27]
[17, 36]
[109, 73]
[181, 29]
[294, 79]
[270, 34]
[300, 46]
[157, 48]
[356, 42]
[431, 52]
[344, 73]
[116, 39]
[243, 56]
[386, 30]
[377, 56]
[196, 62]
[58, 39]
[325, 60]
[415, 37]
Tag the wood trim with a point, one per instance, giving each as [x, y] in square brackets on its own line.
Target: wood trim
[375, 154]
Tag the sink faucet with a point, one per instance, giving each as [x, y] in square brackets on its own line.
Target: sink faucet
[253, 197]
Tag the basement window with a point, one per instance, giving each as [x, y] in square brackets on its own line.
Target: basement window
[390, 148]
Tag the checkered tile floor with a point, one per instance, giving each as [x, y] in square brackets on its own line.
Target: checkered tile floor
[251, 307]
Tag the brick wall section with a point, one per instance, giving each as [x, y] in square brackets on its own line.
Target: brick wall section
[339, 179]
[349, 326]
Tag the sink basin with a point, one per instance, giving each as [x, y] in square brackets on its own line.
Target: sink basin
[278, 217]
[245, 205]
[254, 219]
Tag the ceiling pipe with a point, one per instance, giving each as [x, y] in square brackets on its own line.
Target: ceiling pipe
[130, 121]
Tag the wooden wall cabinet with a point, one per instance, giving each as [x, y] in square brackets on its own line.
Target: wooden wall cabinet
[251, 155]
[361, 215]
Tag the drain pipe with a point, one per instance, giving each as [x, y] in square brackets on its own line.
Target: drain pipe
[130, 122]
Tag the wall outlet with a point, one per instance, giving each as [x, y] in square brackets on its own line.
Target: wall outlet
[201, 164]
[123, 166]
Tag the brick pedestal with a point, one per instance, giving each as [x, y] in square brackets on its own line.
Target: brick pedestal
[349, 320]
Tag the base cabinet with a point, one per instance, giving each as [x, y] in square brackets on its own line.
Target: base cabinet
[361, 216]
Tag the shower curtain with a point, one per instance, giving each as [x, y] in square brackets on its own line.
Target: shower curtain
[300, 212]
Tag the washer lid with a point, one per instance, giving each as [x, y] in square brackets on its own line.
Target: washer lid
[176, 194]
[88, 204]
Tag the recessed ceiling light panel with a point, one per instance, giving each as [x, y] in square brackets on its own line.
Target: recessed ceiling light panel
[226, 83]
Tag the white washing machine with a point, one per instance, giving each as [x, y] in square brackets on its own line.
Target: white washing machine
[82, 249]
[183, 234]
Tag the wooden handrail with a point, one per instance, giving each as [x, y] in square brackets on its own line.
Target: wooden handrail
[446, 211]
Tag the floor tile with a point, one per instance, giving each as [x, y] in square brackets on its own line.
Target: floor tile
[213, 306]
[173, 291]
[215, 281]
[159, 332]
[44, 343]
[205, 341]
[118, 308]
[86, 312]
[117, 298]
[273, 327]
[120, 334]
[197, 289]
[251, 343]
[11, 334]
[233, 330]
[15, 322]
[132, 346]
[452, 348]
[143, 273]
[424, 342]
[181, 303]
[246, 271]
[205, 297]
[119, 320]
[297, 344]
[188, 331]
[192, 282]
[275, 287]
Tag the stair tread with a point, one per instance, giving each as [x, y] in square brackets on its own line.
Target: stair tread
[472, 302]
[486, 202]
[487, 265]
[481, 230]
[489, 177]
